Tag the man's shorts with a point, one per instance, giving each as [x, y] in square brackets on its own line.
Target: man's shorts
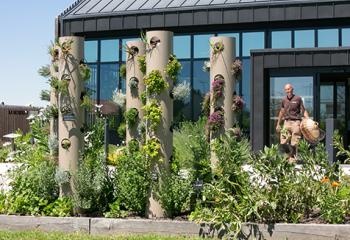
[293, 134]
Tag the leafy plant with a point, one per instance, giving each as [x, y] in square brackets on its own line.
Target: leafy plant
[84, 71]
[155, 83]
[152, 148]
[173, 67]
[153, 113]
[44, 71]
[65, 46]
[182, 91]
[217, 47]
[131, 116]
[338, 143]
[53, 51]
[122, 71]
[143, 97]
[45, 95]
[61, 207]
[142, 63]
[122, 130]
[86, 103]
[119, 98]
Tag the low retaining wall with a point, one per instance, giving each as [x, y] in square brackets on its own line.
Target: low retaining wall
[101, 226]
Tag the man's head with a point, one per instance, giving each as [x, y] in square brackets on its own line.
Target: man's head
[288, 89]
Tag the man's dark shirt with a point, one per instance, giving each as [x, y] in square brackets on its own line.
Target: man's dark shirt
[293, 107]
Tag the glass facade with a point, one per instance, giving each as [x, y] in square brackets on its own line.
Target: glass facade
[345, 32]
[281, 39]
[304, 38]
[328, 38]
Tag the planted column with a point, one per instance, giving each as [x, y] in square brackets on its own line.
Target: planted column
[70, 118]
[134, 89]
[222, 87]
[158, 110]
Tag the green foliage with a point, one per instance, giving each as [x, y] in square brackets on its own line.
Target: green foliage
[44, 71]
[132, 182]
[153, 113]
[339, 145]
[86, 103]
[122, 71]
[61, 86]
[155, 83]
[217, 47]
[143, 97]
[51, 111]
[115, 211]
[61, 207]
[151, 148]
[122, 130]
[4, 152]
[142, 62]
[173, 67]
[45, 95]
[84, 71]
[131, 116]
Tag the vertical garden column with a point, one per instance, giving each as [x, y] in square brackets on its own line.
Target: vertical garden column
[159, 101]
[134, 87]
[222, 87]
[70, 110]
[54, 72]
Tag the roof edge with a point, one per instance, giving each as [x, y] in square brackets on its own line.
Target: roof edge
[72, 7]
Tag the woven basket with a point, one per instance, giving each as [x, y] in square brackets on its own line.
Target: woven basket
[311, 131]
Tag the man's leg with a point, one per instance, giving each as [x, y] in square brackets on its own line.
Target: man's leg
[296, 136]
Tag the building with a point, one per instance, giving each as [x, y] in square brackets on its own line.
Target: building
[304, 42]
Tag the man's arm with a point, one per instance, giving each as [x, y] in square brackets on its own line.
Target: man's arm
[306, 114]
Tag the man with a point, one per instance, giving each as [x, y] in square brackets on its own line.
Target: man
[292, 110]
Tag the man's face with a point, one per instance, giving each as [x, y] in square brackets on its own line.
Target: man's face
[288, 89]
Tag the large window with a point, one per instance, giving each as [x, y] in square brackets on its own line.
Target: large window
[201, 46]
[281, 39]
[90, 51]
[182, 47]
[110, 50]
[346, 37]
[304, 38]
[328, 38]
[236, 36]
[303, 87]
[183, 109]
[109, 74]
[252, 40]
[201, 85]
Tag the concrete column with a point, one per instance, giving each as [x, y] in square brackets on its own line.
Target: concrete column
[53, 101]
[159, 48]
[70, 112]
[137, 48]
[221, 67]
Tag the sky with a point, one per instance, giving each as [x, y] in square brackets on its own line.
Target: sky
[27, 29]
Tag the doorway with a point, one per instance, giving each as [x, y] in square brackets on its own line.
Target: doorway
[334, 102]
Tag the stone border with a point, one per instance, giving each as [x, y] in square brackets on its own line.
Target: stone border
[103, 226]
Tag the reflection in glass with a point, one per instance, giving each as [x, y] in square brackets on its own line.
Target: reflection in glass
[328, 38]
[303, 87]
[201, 85]
[90, 51]
[236, 36]
[281, 39]
[109, 50]
[91, 84]
[346, 37]
[109, 74]
[182, 46]
[182, 110]
[201, 46]
[252, 40]
[246, 93]
[304, 38]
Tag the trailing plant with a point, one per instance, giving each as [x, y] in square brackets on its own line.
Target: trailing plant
[119, 98]
[152, 148]
[45, 95]
[217, 86]
[142, 63]
[153, 113]
[133, 83]
[143, 97]
[182, 91]
[236, 68]
[238, 103]
[84, 71]
[131, 116]
[173, 67]
[155, 83]
[217, 47]
[44, 71]
[216, 120]
[122, 71]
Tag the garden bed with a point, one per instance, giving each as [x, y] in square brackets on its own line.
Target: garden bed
[104, 226]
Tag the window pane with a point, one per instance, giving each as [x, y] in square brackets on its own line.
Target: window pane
[201, 46]
[246, 93]
[182, 109]
[123, 46]
[346, 37]
[201, 86]
[109, 50]
[236, 36]
[304, 38]
[303, 87]
[281, 39]
[91, 85]
[90, 51]
[252, 40]
[328, 38]
[182, 46]
[109, 74]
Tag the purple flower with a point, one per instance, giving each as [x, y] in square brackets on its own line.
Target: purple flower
[237, 104]
[216, 120]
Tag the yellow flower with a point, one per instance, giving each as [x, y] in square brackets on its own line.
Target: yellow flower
[325, 180]
[335, 184]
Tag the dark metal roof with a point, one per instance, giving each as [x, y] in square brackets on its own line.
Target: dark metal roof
[86, 8]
